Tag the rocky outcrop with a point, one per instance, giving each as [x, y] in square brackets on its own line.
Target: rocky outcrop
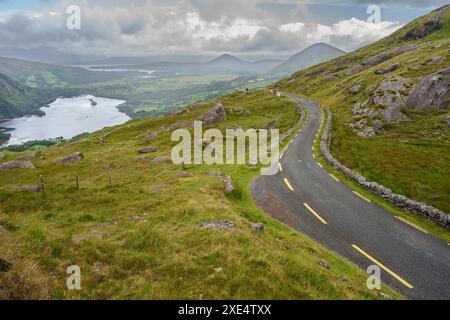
[400, 201]
[17, 164]
[74, 157]
[431, 91]
[178, 125]
[423, 30]
[384, 56]
[214, 115]
[389, 98]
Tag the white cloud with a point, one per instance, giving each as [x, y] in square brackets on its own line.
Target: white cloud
[292, 27]
[143, 27]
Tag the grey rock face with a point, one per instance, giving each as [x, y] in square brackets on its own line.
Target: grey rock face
[214, 115]
[431, 91]
[74, 157]
[427, 28]
[389, 98]
[17, 164]
[384, 56]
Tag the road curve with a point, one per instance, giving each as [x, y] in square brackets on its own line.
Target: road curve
[304, 196]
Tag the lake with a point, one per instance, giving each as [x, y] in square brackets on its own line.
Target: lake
[66, 117]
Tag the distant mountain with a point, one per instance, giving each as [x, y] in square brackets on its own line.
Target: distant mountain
[224, 64]
[315, 54]
[36, 74]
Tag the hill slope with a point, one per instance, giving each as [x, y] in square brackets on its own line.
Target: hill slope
[158, 231]
[390, 103]
[17, 100]
[308, 57]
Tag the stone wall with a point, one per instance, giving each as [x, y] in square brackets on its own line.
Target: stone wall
[400, 201]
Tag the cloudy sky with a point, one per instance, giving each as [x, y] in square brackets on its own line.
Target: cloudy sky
[247, 28]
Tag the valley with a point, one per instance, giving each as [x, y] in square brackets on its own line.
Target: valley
[109, 199]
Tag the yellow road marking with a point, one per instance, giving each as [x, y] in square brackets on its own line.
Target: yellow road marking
[288, 184]
[334, 177]
[279, 166]
[315, 213]
[412, 224]
[362, 197]
[396, 276]
[314, 156]
[320, 165]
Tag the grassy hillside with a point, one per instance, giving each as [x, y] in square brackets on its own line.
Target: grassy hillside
[380, 128]
[140, 236]
[18, 100]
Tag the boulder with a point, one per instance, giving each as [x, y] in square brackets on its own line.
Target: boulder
[5, 266]
[258, 227]
[431, 91]
[217, 225]
[148, 150]
[150, 136]
[388, 69]
[17, 164]
[74, 157]
[141, 159]
[354, 68]
[214, 115]
[229, 185]
[355, 89]
[30, 188]
[158, 160]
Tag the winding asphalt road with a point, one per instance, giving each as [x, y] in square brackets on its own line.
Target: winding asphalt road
[304, 196]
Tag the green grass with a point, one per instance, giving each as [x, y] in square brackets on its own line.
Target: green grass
[154, 249]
